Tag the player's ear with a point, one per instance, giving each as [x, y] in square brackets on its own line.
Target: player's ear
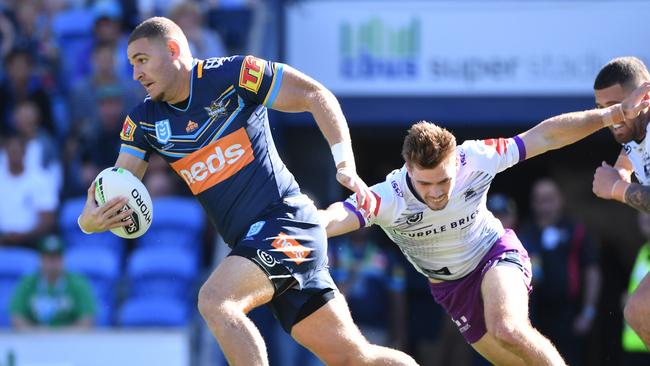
[174, 48]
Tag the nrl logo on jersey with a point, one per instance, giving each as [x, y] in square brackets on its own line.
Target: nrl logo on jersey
[216, 109]
[163, 131]
[414, 219]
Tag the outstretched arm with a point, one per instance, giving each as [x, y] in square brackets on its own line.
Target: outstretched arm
[568, 128]
[300, 93]
[338, 220]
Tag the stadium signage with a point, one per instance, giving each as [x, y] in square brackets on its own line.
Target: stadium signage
[495, 48]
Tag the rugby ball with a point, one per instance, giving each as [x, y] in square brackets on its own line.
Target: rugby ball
[114, 182]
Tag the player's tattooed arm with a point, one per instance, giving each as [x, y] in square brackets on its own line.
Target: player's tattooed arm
[638, 196]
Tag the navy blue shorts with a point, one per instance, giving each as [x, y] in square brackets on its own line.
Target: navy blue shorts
[290, 245]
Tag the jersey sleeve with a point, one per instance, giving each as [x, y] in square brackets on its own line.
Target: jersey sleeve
[384, 211]
[258, 81]
[493, 155]
[133, 139]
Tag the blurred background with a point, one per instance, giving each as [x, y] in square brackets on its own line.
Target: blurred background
[483, 69]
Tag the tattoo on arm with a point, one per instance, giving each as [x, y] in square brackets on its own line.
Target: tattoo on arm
[638, 196]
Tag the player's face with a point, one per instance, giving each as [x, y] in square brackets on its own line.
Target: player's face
[153, 67]
[622, 132]
[434, 185]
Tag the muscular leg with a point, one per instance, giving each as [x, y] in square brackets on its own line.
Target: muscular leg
[637, 310]
[494, 352]
[330, 333]
[505, 298]
[232, 290]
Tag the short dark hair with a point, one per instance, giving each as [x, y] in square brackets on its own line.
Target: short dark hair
[427, 145]
[622, 70]
[156, 27]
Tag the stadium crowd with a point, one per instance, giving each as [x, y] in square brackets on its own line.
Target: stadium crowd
[65, 87]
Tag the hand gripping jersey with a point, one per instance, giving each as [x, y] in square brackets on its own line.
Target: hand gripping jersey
[639, 156]
[449, 243]
[220, 142]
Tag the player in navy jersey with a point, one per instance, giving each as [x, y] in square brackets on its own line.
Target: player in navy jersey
[434, 209]
[208, 119]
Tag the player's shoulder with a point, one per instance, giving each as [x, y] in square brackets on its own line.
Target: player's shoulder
[486, 147]
[216, 65]
[393, 187]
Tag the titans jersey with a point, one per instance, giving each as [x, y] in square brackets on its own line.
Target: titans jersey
[446, 244]
[639, 156]
[220, 142]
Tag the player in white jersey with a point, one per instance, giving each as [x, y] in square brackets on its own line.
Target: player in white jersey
[615, 81]
[434, 209]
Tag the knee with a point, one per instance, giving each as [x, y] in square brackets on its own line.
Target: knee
[347, 357]
[635, 312]
[507, 333]
[212, 304]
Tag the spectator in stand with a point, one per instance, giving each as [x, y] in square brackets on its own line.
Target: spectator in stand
[83, 100]
[33, 33]
[41, 152]
[204, 42]
[566, 274]
[373, 282]
[108, 29]
[503, 208]
[52, 297]
[635, 352]
[85, 154]
[23, 83]
[29, 200]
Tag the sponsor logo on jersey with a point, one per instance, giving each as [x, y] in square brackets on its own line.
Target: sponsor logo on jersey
[266, 258]
[414, 219]
[500, 144]
[628, 148]
[128, 129]
[191, 126]
[215, 62]
[216, 162]
[288, 245]
[396, 188]
[163, 131]
[463, 158]
[252, 71]
[462, 323]
[254, 230]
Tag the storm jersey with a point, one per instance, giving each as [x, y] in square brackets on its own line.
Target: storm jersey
[446, 244]
[219, 142]
[639, 155]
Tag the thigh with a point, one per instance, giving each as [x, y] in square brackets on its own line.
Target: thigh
[240, 280]
[489, 348]
[505, 296]
[329, 330]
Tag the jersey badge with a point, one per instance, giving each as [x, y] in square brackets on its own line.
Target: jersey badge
[128, 129]
[191, 126]
[250, 76]
[163, 131]
[414, 219]
[469, 194]
[216, 109]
